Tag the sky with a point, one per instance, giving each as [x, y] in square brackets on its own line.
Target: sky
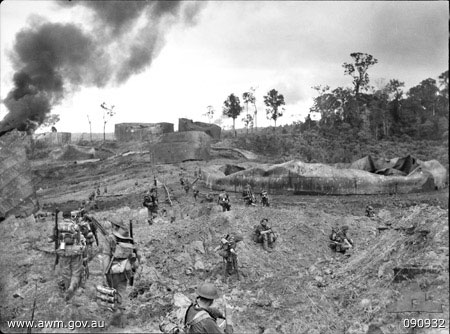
[207, 51]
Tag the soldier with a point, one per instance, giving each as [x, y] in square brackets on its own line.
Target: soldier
[227, 249]
[187, 186]
[88, 229]
[264, 198]
[195, 192]
[249, 198]
[201, 317]
[72, 253]
[370, 212]
[98, 191]
[151, 203]
[92, 201]
[340, 241]
[209, 198]
[224, 201]
[264, 234]
[120, 262]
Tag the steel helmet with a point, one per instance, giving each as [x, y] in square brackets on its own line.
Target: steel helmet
[344, 228]
[208, 291]
[119, 223]
[67, 214]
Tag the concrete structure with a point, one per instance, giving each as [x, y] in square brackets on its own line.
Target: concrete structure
[52, 138]
[17, 193]
[141, 131]
[181, 146]
[213, 130]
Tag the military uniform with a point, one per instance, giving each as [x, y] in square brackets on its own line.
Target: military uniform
[264, 198]
[72, 253]
[227, 249]
[341, 242]
[264, 234]
[120, 263]
[224, 201]
[249, 198]
[151, 203]
[370, 212]
[201, 319]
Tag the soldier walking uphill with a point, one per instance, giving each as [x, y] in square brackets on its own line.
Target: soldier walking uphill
[264, 234]
[72, 254]
[151, 203]
[264, 198]
[340, 241]
[227, 249]
[120, 264]
[224, 201]
[249, 197]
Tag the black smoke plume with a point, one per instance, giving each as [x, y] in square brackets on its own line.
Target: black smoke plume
[52, 59]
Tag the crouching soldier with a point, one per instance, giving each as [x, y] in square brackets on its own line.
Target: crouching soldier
[370, 212]
[72, 254]
[224, 201]
[340, 241]
[264, 234]
[151, 203]
[120, 263]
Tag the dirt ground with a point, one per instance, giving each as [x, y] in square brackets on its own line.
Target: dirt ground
[301, 287]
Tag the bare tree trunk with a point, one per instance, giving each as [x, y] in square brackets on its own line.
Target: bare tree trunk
[234, 128]
[104, 126]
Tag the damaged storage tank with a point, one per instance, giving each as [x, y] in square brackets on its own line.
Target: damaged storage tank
[17, 193]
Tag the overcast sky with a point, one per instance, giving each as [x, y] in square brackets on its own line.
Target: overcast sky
[228, 47]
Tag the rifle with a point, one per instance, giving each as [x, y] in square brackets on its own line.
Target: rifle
[131, 280]
[94, 223]
[155, 184]
[34, 307]
[56, 238]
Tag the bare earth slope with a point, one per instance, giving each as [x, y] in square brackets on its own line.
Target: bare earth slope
[301, 287]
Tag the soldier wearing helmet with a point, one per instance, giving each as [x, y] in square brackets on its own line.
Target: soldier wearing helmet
[249, 197]
[120, 262]
[370, 212]
[264, 198]
[340, 241]
[151, 203]
[264, 234]
[72, 253]
[224, 200]
[201, 317]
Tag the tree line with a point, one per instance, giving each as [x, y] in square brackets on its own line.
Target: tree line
[366, 112]
[232, 108]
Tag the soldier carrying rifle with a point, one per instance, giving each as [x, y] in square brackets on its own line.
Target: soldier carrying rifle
[340, 241]
[227, 249]
[120, 263]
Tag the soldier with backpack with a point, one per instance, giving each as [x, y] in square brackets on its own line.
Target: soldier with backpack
[227, 249]
[71, 252]
[120, 263]
[198, 316]
[201, 317]
[151, 203]
[249, 197]
[340, 241]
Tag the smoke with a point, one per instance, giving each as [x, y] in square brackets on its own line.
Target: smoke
[53, 59]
